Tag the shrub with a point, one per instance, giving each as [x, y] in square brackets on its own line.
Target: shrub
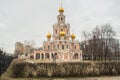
[68, 69]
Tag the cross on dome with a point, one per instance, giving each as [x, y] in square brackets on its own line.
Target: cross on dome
[61, 9]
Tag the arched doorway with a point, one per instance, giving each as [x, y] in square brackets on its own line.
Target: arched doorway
[31, 57]
[47, 56]
[76, 56]
[42, 56]
[37, 56]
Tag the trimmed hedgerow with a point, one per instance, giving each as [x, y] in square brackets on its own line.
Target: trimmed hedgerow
[68, 69]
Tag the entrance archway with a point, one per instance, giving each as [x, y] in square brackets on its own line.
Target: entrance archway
[76, 56]
[31, 57]
[37, 56]
[47, 56]
[42, 56]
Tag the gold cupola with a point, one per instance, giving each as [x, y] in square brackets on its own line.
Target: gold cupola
[73, 36]
[48, 36]
[62, 33]
[61, 9]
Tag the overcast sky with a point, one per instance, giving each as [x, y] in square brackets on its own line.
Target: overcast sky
[22, 20]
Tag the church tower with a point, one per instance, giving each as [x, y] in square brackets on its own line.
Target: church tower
[61, 30]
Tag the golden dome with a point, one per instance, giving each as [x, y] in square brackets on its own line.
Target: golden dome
[61, 9]
[49, 35]
[62, 33]
[73, 36]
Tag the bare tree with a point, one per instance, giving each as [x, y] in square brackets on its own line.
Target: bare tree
[107, 34]
[99, 42]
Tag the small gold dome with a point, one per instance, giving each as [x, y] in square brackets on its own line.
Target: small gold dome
[61, 9]
[49, 35]
[73, 36]
[62, 33]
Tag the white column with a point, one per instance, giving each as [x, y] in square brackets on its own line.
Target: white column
[40, 56]
[62, 56]
[53, 56]
[79, 57]
[34, 55]
[50, 54]
[72, 56]
[68, 56]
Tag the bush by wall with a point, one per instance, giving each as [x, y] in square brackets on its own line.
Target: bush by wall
[5, 60]
[71, 69]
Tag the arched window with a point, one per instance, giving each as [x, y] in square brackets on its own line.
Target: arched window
[48, 47]
[61, 19]
[52, 56]
[67, 46]
[62, 46]
[37, 56]
[55, 54]
[58, 46]
[74, 47]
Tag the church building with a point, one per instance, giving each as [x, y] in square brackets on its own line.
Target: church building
[61, 45]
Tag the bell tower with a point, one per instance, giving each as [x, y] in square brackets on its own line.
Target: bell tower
[61, 17]
[61, 30]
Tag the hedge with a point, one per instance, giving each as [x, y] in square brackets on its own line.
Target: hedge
[68, 69]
